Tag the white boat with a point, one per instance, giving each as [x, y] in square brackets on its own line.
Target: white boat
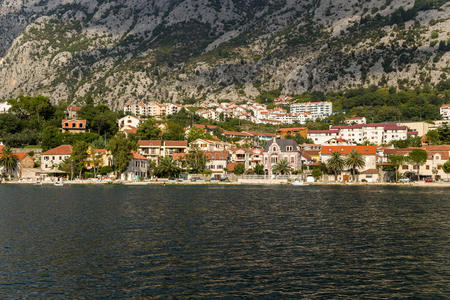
[297, 182]
[58, 184]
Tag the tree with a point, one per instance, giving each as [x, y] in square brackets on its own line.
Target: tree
[175, 132]
[433, 137]
[239, 169]
[444, 134]
[79, 156]
[195, 133]
[148, 130]
[100, 119]
[417, 157]
[282, 168]
[336, 164]
[96, 161]
[38, 108]
[259, 169]
[168, 167]
[196, 160]
[396, 161]
[354, 161]
[446, 167]
[317, 173]
[120, 148]
[8, 160]
[51, 137]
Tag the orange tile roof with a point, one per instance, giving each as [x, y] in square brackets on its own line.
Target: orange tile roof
[60, 150]
[217, 155]
[177, 156]
[20, 156]
[73, 108]
[1, 148]
[364, 150]
[137, 155]
[176, 143]
[150, 143]
[100, 150]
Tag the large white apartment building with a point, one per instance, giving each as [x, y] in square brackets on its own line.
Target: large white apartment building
[152, 109]
[445, 111]
[376, 133]
[321, 109]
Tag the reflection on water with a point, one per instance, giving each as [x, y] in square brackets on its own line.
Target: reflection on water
[215, 241]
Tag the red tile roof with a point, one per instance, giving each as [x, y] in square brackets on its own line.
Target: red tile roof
[60, 150]
[20, 156]
[217, 155]
[149, 143]
[255, 133]
[137, 155]
[364, 150]
[73, 108]
[323, 131]
[176, 143]
[231, 166]
[236, 133]
[370, 171]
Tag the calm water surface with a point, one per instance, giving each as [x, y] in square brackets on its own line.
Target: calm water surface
[103, 242]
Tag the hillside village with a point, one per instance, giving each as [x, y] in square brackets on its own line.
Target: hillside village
[146, 144]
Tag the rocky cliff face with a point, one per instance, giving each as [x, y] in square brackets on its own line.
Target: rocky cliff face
[172, 50]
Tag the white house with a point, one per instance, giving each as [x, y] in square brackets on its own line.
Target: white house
[322, 136]
[51, 159]
[445, 111]
[4, 107]
[137, 168]
[321, 109]
[130, 121]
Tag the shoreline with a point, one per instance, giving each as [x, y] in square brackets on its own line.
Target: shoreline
[234, 183]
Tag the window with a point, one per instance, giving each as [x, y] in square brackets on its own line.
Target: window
[274, 149]
[405, 167]
[427, 167]
[289, 148]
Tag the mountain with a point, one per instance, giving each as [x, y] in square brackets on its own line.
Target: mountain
[114, 51]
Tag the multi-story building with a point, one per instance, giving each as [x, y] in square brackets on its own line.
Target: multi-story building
[130, 121]
[375, 133]
[321, 109]
[281, 149]
[74, 126]
[355, 120]
[208, 145]
[137, 168]
[151, 149]
[4, 107]
[283, 132]
[72, 111]
[322, 136]
[445, 111]
[217, 162]
[52, 158]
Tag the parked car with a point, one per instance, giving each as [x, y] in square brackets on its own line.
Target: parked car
[172, 178]
[213, 179]
[428, 179]
[195, 179]
[405, 179]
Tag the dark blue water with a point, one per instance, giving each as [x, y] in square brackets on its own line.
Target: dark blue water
[91, 242]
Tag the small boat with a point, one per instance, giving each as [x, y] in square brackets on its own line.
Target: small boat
[297, 182]
[58, 184]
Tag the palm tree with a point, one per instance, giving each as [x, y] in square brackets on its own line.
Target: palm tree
[282, 167]
[396, 161]
[8, 160]
[354, 161]
[259, 169]
[336, 163]
[168, 167]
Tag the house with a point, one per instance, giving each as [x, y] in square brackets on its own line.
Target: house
[370, 175]
[74, 126]
[369, 154]
[129, 121]
[98, 158]
[445, 111]
[263, 136]
[138, 167]
[72, 111]
[283, 132]
[150, 149]
[52, 158]
[209, 145]
[322, 136]
[4, 107]
[25, 161]
[281, 149]
[217, 162]
[172, 147]
[374, 133]
[355, 120]
[432, 168]
[236, 134]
